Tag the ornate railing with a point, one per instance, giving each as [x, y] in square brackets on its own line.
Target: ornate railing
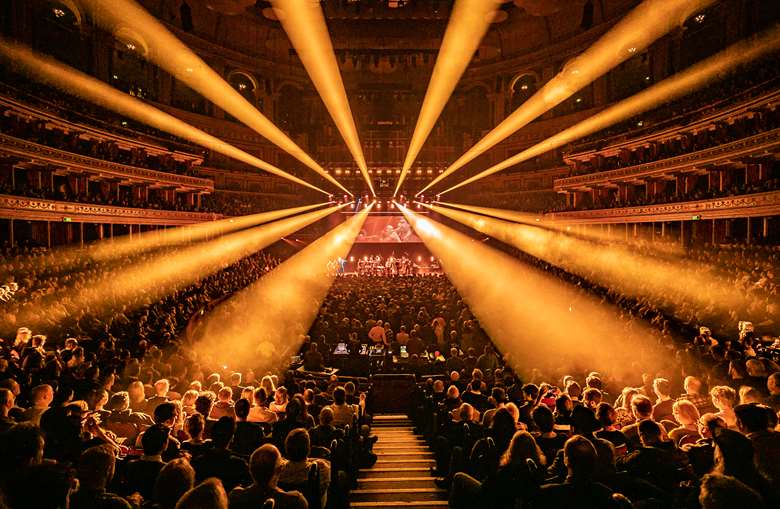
[36, 152]
[765, 142]
[749, 205]
[36, 209]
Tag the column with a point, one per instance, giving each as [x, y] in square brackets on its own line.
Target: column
[48, 234]
[748, 232]
[81, 234]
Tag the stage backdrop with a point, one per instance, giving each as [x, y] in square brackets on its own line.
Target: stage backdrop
[386, 228]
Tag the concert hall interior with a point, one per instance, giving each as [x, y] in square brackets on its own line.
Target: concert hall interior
[333, 254]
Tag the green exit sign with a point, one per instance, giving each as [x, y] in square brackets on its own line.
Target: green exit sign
[695, 218]
[67, 219]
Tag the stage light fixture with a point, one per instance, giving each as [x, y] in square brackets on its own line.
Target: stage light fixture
[693, 78]
[305, 25]
[469, 21]
[76, 83]
[649, 21]
[172, 55]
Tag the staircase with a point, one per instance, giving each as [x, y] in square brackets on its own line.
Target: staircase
[401, 477]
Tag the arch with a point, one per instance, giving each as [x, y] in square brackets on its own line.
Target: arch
[522, 87]
[132, 41]
[69, 5]
[245, 75]
[525, 74]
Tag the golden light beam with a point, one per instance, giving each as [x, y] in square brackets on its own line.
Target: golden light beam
[304, 23]
[118, 247]
[612, 265]
[143, 242]
[553, 224]
[684, 82]
[128, 20]
[536, 320]
[91, 89]
[649, 21]
[263, 325]
[468, 23]
[166, 272]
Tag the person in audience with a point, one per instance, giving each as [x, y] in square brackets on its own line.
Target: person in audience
[607, 417]
[724, 492]
[753, 420]
[323, 434]
[295, 471]
[96, 468]
[161, 388]
[642, 408]
[265, 467]
[343, 413]
[224, 405]
[141, 474]
[662, 409]
[249, 435]
[41, 397]
[195, 428]
[210, 493]
[724, 399]
[279, 404]
[579, 490]
[259, 411]
[773, 386]
[175, 479]
[687, 415]
[218, 461]
[6, 405]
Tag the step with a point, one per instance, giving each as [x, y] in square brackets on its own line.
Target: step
[419, 504]
[397, 495]
[401, 456]
[375, 483]
[377, 473]
[394, 463]
[382, 446]
[391, 417]
[387, 428]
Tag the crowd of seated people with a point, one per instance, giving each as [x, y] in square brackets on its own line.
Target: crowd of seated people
[74, 109]
[119, 402]
[671, 196]
[762, 120]
[235, 204]
[751, 81]
[36, 131]
[124, 199]
[46, 277]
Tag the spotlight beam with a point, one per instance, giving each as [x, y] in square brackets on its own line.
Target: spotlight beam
[304, 23]
[153, 240]
[649, 21]
[262, 326]
[162, 48]
[468, 23]
[91, 89]
[678, 85]
[605, 263]
[534, 319]
[166, 272]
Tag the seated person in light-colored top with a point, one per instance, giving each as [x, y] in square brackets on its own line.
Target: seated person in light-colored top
[41, 397]
[279, 404]
[260, 412]
[343, 413]
[295, 470]
[224, 405]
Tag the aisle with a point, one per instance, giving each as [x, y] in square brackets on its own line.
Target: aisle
[401, 476]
